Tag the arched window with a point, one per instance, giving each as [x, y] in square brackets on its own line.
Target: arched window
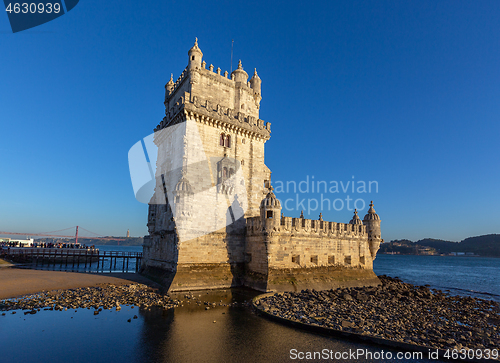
[224, 172]
[227, 142]
[231, 172]
[221, 142]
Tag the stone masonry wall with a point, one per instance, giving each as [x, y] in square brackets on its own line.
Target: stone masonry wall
[303, 243]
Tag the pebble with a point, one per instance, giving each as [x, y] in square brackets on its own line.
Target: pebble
[97, 298]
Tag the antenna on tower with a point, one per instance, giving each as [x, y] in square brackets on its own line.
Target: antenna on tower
[232, 43]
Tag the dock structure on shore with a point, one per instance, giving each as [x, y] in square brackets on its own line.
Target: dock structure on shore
[74, 258]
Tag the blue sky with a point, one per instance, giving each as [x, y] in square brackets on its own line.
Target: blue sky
[402, 93]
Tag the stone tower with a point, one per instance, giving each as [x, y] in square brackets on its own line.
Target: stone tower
[270, 211]
[226, 113]
[210, 173]
[372, 223]
[214, 220]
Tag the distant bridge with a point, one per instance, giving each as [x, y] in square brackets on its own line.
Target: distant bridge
[51, 234]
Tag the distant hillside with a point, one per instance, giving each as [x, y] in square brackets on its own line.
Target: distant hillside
[487, 245]
[131, 241]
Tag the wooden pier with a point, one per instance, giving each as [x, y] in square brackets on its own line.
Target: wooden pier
[71, 258]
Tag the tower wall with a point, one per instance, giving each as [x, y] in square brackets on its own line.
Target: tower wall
[205, 246]
[302, 253]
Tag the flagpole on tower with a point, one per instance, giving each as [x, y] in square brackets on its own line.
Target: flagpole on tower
[232, 44]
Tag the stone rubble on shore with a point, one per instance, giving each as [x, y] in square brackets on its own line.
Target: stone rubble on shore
[396, 311]
[107, 296]
[101, 297]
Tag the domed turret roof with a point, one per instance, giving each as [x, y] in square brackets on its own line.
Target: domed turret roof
[239, 75]
[195, 48]
[170, 84]
[255, 76]
[183, 186]
[355, 219]
[371, 215]
[270, 201]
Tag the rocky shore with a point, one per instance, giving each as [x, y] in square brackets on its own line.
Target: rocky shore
[109, 296]
[395, 311]
[98, 297]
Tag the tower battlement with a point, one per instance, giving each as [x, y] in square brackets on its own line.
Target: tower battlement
[234, 102]
[253, 87]
[309, 226]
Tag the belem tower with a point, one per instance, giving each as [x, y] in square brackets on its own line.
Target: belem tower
[214, 221]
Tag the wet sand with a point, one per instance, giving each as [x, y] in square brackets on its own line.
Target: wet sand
[16, 282]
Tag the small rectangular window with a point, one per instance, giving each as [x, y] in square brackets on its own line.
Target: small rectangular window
[331, 260]
[347, 260]
[314, 260]
[296, 259]
[269, 214]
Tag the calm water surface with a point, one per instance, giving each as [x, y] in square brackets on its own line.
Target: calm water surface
[474, 276]
[189, 333]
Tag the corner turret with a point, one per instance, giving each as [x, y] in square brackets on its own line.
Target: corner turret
[255, 82]
[239, 75]
[195, 56]
[355, 219]
[372, 223]
[169, 87]
[255, 85]
[270, 211]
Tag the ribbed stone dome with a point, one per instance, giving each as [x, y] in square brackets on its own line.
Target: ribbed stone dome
[355, 219]
[255, 76]
[270, 201]
[184, 186]
[371, 215]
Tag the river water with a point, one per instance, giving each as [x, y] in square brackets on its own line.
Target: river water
[473, 276]
[222, 334]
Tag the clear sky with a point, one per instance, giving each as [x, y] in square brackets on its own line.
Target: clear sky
[404, 93]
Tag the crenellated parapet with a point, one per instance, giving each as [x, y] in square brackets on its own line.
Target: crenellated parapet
[212, 97]
[303, 226]
[178, 82]
[207, 112]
